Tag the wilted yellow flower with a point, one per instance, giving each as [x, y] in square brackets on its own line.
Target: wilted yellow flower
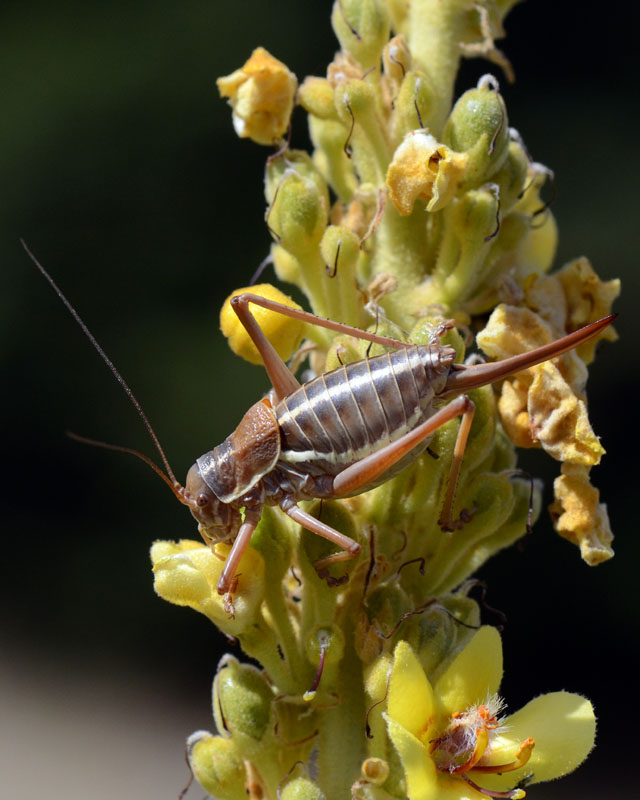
[423, 168]
[283, 332]
[579, 517]
[544, 404]
[454, 744]
[261, 94]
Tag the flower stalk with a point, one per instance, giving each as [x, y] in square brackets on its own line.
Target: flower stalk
[377, 679]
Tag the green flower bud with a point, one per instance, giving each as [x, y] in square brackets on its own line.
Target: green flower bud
[217, 765]
[469, 223]
[273, 540]
[301, 789]
[340, 248]
[327, 637]
[298, 162]
[362, 28]
[286, 265]
[396, 61]
[356, 105]
[478, 125]
[387, 603]
[539, 248]
[242, 700]
[299, 207]
[343, 350]
[329, 137]
[424, 330]
[316, 95]
[413, 105]
[512, 176]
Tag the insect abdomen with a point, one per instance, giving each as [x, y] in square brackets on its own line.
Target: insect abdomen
[338, 418]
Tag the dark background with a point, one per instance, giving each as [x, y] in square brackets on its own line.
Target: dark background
[119, 166]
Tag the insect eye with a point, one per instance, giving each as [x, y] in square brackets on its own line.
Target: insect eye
[202, 500]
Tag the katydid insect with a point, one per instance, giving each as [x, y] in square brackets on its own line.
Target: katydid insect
[337, 435]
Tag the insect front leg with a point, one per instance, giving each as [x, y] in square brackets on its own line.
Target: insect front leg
[350, 548]
[228, 579]
[354, 478]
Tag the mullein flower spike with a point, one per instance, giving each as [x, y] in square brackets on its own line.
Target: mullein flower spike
[377, 680]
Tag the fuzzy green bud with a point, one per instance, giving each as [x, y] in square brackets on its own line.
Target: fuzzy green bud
[340, 248]
[301, 789]
[478, 125]
[329, 638]
[424, 330]
[469, 224]
[414, 104]
[396, 60]
[316, 95]
[357, 109]
[299, 205]
[217, 765]
[242, 700]
[286, 265]
[512, 176]
[362, 28]
[273, 540]
[329, 137]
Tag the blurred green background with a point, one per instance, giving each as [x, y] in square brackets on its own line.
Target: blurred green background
[119, 166]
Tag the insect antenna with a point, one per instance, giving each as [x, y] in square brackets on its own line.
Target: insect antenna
[175, 487]
[169, 478]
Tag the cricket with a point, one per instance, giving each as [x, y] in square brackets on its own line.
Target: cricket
[337, 435]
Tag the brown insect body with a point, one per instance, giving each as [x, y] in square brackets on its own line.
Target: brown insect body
[331, 422]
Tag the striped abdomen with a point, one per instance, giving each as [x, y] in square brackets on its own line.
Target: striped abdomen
[341, 416]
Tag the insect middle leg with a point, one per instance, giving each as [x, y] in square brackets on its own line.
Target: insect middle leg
[350, 548]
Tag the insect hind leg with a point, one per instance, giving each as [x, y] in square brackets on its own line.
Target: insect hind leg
[281, 377]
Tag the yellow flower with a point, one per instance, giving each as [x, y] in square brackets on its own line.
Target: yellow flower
[454, 745]
[423, 168]
[261, 94]
[186, 573]
[545, 404]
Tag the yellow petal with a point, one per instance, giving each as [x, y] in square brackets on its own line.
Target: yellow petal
[559, 419]
[474, 675]
[411, 702]
[423, 780]
[588, 299]
[579, 517]
[512, 330]
[545, 295]
[563, 726]
[512, 406]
